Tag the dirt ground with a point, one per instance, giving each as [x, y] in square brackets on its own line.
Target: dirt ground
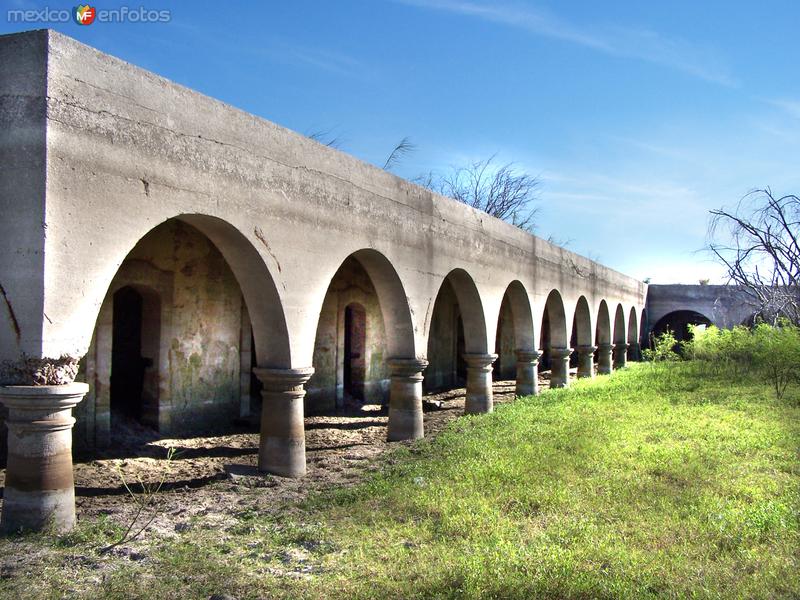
[215, 476]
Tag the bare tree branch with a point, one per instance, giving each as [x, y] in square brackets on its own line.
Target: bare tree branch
[503, 192]
[757, 242]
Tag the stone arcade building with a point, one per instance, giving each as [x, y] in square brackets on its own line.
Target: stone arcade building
[191, 255]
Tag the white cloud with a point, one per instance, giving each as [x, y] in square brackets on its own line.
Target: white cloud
[637, 43]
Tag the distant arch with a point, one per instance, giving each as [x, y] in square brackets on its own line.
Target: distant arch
[582, 323]
[678, 322]
[603, 329]
[633, 335]
[554, 327]
[619, 325]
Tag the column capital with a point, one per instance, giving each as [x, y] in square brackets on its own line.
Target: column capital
[36, 407]
[562, 353]
[606, 347]
[622, 345]
[407, 367]
[480, 361]
[283, 380]
[583, 350]
[528, 356]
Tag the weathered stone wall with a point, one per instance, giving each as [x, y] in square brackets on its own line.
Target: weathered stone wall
[196, 375]
[325, 389]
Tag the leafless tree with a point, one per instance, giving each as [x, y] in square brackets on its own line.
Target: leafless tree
[503, 192]
[760, 251]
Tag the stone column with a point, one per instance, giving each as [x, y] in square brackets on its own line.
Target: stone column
[405, 399]
[605, 361]
[479, 383]
[40, 489]
[282, 448]
[527, 372]
[635, 352]
[586, 361]
[621, 355]
[559, 367]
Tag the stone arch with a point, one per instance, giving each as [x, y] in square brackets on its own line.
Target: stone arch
[633, 335]
[581, 339]
[514, 330]
[603, 329]
[457, 327]
[678, 321]
[554, 322]
[218, 257]
[619, 325]
[366, 285]
[620, 338]
[582, 324]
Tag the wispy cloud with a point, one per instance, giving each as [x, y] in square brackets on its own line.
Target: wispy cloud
[628, 42]
[791, 107]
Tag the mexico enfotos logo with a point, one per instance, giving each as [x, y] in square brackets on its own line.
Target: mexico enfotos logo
[85, 14]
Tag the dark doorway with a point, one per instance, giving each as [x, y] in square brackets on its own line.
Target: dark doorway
[127, 363]
[355, 341]
[134, 358]
[678, 323]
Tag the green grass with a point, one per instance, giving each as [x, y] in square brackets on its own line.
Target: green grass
[655, 482]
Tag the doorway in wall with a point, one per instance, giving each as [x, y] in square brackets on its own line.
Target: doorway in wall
[355, 341]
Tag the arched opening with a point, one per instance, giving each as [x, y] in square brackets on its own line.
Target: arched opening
[633, 335]
[553, 331]
[581, 339]
[135, 341]
[363, 322]
[514, 330]
[173, 343]
[619, 325]
[678, 323]
[602, 336]
[457, 327]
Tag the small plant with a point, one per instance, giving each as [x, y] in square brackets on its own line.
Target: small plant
[147, 503]
[663, 348]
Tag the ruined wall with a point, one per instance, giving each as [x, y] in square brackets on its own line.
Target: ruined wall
[197, 363]
[325, 389]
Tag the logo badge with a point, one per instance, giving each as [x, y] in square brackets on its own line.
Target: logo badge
[84, 14]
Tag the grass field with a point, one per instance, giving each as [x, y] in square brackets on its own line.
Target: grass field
[655, 482]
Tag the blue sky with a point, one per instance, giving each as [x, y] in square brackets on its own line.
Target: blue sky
[639, 117]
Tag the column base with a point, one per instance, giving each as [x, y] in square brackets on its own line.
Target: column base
[559, 367]
[527, 373]
[405, 399]
[282, 448]
[480, 398]
[39, 491]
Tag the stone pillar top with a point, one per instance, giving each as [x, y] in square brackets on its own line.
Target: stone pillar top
[283, 379]
[625, 345]
[35, 397]
[586, 349]
[560, 352]
[480, 361]
[528, 355]
[606, 346]
[406, 366]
